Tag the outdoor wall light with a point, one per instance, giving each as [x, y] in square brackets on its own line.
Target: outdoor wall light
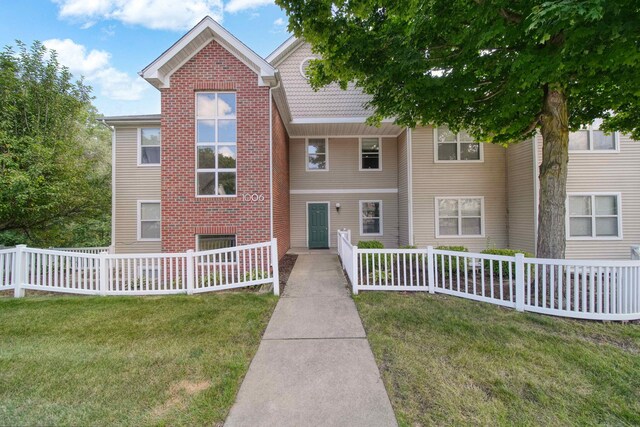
[337, 207]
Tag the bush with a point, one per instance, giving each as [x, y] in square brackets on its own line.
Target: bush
[416, 258]
[505, 264]
[372, 259]
[442, 261]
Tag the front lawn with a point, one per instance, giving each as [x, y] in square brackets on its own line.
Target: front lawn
[446, 360]
[174, 360]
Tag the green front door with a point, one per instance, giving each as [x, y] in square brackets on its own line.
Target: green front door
[318, 225]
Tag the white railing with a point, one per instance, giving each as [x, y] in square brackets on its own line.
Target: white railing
[138, 274]
[92, 250]
[598, 290]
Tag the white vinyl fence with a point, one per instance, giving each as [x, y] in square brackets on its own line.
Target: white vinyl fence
[138, 274]
[598, 290]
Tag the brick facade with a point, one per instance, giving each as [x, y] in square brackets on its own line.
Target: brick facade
[183, 214]
[281, 208]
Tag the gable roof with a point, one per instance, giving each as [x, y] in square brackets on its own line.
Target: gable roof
[282, 51]
[159, 72]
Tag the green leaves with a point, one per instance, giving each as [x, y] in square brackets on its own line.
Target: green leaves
[54, 156]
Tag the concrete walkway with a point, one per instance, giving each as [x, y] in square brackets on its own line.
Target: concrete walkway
[314, 366]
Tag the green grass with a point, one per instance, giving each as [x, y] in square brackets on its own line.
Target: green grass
[173, 360]
[450, 361]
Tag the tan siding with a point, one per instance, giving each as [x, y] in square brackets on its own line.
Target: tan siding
[343, 167]
[521, 196]
[431, 180]
[330, 101]
[133, 183]
[403, 196]
[347, 218]
[607, 172]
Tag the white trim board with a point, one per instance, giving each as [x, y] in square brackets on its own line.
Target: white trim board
[347, 191]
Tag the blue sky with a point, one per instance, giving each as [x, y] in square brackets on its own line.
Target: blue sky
[110, 41]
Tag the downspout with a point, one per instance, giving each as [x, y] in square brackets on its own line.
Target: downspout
[113, 183]
[271, 156]
[410, 186]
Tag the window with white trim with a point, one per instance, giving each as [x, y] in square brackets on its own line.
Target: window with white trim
[149, 218]
[591, 138]
[316, 154]
[216, 144]
[149, 146]
[370, 158]
[207, 242]
[371, 217]
[594, 216]
[459, 216]
[456, 147]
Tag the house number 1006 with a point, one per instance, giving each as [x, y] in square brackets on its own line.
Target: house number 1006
[253, 197]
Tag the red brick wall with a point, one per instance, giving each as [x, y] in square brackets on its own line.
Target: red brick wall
[184, 215]
[281, 218]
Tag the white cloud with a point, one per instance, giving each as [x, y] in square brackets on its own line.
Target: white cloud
[154, 14]
[96, 67]
[279, 26]
[234, 6]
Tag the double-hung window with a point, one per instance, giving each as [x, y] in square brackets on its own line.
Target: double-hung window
[370, 150]
[317, 154]
[149, 146]
[594, 216]
[591, 138]
[216, 144]
[371, 217]
[459, 216]
[149, 220]
[456, 147]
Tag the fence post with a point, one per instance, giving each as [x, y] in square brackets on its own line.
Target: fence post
[20, 264]
[354, 268]
[103, 273]
[349, 235]
[274, 266]
[112, 249]
[431, 265]
[520, 282]
[190, 272]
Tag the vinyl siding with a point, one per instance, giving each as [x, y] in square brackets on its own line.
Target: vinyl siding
[521, 196]
[330, 101]
[431, 180]
[403, 190]
[344, 161]
[616, 172]
[133, 183]
[347, 218]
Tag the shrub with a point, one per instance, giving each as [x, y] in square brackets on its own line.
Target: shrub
[255, 274]
[379, 276]
[442, 261]
[416, 258]
[505, 264]
[372, 259]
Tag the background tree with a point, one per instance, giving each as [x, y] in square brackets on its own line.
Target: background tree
[54, 155]
[501, 69]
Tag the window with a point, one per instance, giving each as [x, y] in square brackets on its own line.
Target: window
[370, 149]
[371, 217]
[149, 220]
[208, 242]
[317, 154]
[456, 147]
[459, 217]
[594, 216]
[149, 146]
[216, 144]
[591, 138]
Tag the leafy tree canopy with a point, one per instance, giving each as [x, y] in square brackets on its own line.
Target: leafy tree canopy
[54, 161]
[482, 65]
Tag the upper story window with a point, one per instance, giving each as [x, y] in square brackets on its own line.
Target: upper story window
[317, 154]
[149, 146]
[370, 154]
[456, 147]
[216, 144]
[149, 220]
[459, 216]
[371, 217]
[591, 138]
[593, 216]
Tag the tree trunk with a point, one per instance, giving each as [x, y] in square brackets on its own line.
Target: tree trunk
[553, 174]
